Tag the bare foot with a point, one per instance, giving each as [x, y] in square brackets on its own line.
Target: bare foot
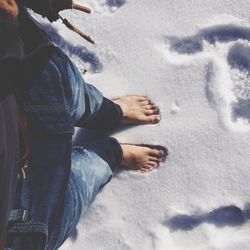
[142, 158]
[138, 110]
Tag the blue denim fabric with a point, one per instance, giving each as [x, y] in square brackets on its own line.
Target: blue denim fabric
[52, 196]
[89, 173]
[60, 98]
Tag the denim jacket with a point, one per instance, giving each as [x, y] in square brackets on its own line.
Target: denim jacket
[56, 102]
[42, 190]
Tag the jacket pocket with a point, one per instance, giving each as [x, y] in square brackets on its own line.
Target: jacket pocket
[53, 119]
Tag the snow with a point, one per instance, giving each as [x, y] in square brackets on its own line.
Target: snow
[192, 58]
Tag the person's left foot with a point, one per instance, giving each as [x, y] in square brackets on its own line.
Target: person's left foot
[142, 158]
[138, 110]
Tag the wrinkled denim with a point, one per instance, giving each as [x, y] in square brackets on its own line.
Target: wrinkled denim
[61, 181]
[89, 173]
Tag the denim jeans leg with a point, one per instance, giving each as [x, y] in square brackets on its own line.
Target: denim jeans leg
[89, 173]
[109, 116]
[89, 109]
[82, 99]
[91, 169]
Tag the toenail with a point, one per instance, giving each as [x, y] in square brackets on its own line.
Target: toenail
[158, 118]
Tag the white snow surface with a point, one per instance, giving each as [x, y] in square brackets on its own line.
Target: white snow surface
[192, 58]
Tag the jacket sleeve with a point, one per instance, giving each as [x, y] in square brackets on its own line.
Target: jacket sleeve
[8, 158]
[47, 8]
[10, 74]
[11, 54]
[45, 192]
[16, 73]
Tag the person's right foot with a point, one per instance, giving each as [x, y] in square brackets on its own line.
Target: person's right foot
[138, 110]
[142, 158]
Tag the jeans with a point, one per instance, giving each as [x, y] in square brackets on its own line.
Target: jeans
[62, 178]
[88, 175]
[90, 164]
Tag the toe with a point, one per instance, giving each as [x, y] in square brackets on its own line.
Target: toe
[147, 107]
[150, 166]
[155, 159]
[153, 119]
[145, 103]
[153, 106]
[141, 98]
[156, 153]
[152, 112]
[153, 164]
[145, 169]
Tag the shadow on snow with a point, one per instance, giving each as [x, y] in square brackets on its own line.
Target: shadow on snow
[231, 216]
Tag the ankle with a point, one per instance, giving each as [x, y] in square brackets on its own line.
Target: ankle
[127, 155]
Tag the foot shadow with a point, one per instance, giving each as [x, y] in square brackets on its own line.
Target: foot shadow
[87, 136]
[80, 52]
[188, 45]
[241, 109]
[225, 33]
[238, 59]
[231, 216]
[74, 235]
[221, 33]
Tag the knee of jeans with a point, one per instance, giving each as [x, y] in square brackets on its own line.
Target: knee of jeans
[91, 165]
[107, 174]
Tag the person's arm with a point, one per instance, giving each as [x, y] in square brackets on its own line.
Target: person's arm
[8, 158]
[8, 124]
[10, 47]
[15, 72]
[47, 8]
[10, 75]
[49, 171]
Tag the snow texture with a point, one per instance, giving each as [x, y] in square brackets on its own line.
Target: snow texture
[193, 59]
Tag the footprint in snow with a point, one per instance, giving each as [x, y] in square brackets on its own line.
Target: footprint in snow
[226, 216]
[175, 107]
[227, 50]
[239, 60]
